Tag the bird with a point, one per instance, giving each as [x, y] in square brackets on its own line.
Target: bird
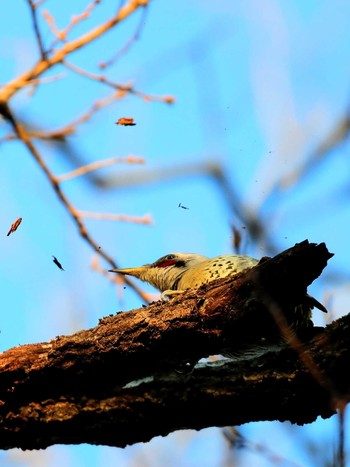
[174, 273]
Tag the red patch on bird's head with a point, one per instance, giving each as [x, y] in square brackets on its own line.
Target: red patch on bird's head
[165, 261]
[164, 264]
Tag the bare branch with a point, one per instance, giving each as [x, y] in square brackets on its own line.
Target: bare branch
[146, 219]
[71, 127]
[33, 9]
[118, 280]
[50, 20]
[61, 34]
[334, 139]
[9, 89]
[99, 165]
[341, 455]
[237, 441]
[48, 79]
[129, 43]
[99, 104]
[127, 89]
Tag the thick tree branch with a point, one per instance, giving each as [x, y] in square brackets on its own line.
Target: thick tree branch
[120, 382]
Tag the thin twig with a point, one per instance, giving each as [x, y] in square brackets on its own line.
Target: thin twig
[341, 457]
[297, 345]
[122, 88]
[98, 165]
[118, 280]
[50, 21]
[146, 219]
[70, 128]
[237, 441]
[33, 10]
[38, 3]
[47, 135]
[126, 47]
[98, 105]
[49, 79]
[337, 136]
[61, 34]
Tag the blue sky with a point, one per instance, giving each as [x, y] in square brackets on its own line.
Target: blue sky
[258, 87]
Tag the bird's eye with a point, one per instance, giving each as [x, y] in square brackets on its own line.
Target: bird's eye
[170, 257]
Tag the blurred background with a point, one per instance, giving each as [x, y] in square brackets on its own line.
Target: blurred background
[241, 112]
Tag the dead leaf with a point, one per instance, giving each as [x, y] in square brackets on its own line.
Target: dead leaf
[125, 121]
[14, 226]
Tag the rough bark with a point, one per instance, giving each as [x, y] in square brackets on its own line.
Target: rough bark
[132, 377]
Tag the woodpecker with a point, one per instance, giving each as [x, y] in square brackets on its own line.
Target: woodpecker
[174, 273]
[177, 272]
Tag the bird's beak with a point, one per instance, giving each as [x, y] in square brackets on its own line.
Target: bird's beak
[136, 272]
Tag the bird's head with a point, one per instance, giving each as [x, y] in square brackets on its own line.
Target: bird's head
[164, 273]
